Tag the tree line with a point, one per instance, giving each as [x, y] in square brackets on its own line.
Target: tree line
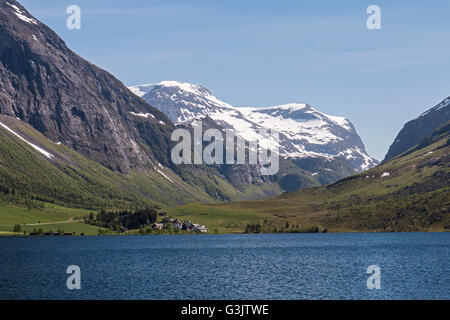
[267, 227]
[124, 219]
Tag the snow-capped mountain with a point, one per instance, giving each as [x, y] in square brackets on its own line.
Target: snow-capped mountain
[304, 131]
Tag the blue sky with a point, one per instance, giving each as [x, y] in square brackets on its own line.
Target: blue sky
[263, 53]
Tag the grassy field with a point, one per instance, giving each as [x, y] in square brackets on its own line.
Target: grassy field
[47, 218]
[77, 227]
[234, 217]
[226, 219]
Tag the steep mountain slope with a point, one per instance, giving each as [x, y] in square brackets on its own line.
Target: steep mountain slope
[33, 167]
[304, 131]
[72, 101]
[417, 129]
[408, 193]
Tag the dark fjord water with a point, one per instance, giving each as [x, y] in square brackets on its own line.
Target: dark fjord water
[279, 266]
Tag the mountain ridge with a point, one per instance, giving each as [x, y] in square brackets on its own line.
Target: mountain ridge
[419, 128]
[304, 131]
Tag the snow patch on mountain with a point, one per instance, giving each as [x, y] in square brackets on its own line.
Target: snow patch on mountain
[143, 115]
[443, 104]
[164, 175]
[45, 153]
[313, 130]
[20, 14]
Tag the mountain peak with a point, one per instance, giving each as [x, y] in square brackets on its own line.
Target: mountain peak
[182, 100]
[21, 13]
[445, 103]
[290, 106]
[141, 90]
[186, 86]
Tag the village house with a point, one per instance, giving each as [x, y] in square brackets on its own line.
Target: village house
[177, 225]
[180, 224]
[199, 228]
[157, 225]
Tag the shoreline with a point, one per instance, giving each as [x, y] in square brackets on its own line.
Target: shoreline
[11, 234]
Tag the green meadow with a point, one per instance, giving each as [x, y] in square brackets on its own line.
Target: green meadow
[50, 217]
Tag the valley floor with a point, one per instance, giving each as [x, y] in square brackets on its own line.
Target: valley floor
[408, 193]
[224, 219]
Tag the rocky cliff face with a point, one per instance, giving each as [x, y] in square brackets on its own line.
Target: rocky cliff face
[72, 101]
[419, 128]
